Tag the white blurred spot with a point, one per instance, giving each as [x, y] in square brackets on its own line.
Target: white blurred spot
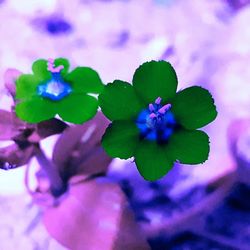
[86, 136]
[155, 48]
[155, 218]
[31, 6]
[6, 100]
[12, 182]
[48, 144]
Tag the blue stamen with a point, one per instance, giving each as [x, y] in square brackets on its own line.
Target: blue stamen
[157, 122]
[151, 107]
[55, 89]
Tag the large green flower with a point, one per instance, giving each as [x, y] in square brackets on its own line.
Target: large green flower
[51, 90]
[155, 124]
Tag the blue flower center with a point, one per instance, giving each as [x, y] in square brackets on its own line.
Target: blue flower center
[55, 89]
[157, 122]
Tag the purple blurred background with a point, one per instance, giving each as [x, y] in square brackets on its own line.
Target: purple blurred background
[208, 42]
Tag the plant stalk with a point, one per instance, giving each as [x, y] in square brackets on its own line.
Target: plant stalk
[56, 183]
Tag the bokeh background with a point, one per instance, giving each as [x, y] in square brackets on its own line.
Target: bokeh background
[208, 42]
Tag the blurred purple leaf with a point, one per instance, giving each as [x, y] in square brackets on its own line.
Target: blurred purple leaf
[47, 128]
[12, 156]
[10, 125]
[78, 150]
[238, 4]
[95, 215]
[25, 138]
[10, 77]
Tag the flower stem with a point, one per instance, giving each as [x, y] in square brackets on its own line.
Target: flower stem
[56, 183]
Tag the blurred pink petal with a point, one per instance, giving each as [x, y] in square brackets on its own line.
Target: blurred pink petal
[239, 143]
[236, 129]
[95, 216]
[10, 77]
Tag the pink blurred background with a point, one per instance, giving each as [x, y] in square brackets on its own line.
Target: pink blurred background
[208, 42]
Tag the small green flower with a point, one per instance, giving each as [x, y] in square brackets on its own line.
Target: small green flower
[155, 124]
[51, 90]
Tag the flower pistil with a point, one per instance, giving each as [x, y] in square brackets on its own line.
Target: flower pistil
[157, 123]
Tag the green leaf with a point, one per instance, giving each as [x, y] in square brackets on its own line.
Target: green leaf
[120, 139]
[189, 147]
[85, 80]
[26, 86]
[194, 107]
[77, 108]
[155, 79]
[35, 110]
[152, 160]
[118, 101]
[65, 63]
[40, 69]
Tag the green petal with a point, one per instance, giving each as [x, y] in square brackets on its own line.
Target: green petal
[40, 69]
[194, 107]
[65, 63]
[35, 110]
[77, 108]
[155, 79]
[118, 101]
[189, 147]
[26, 86]
[85, 80]
[120, 139]
[152, 160]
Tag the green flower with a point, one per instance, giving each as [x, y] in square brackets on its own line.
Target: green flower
[155, 124]
[51, 90]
